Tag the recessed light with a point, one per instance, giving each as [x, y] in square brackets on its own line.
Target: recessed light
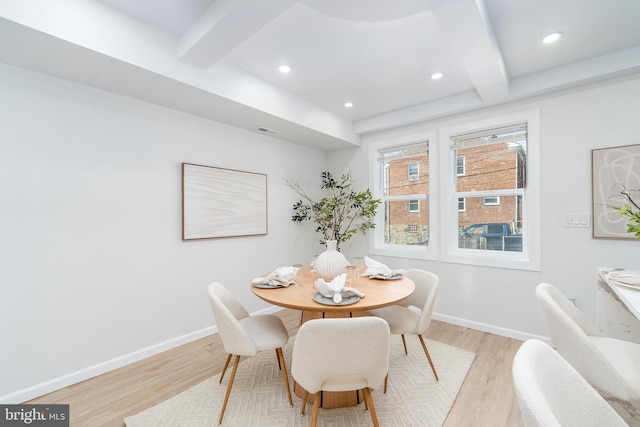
[436, 76]
[348, 104]
[552, 38]
[284, 69]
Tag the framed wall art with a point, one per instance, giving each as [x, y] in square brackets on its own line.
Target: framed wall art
[219, 202]
[613, 169]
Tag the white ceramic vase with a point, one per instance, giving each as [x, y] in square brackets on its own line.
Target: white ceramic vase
[331, 263]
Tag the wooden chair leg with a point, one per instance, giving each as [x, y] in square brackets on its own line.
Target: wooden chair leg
[372, 410]
[316, 407]
[278, 359]
[404, 343]
[386, 379]
[226, 365]
[304, 402]
[285, 375]
[424, 346]
[226, 397]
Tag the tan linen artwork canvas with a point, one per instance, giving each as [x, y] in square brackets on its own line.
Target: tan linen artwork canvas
[613, 169]
[218, 202]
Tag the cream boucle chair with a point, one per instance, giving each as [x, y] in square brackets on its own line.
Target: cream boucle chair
[552, 393]
[611, 366]
[245, 335]
[341, 355]
[412, 315]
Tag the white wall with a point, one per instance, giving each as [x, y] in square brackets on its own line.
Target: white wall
[501, 300]
[93, 270]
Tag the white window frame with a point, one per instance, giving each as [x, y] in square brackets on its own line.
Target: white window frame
[485, 201]
[464, 166]
[530, 257]
[416, 176]
[417, 201]
[464, 204]
[377, 246]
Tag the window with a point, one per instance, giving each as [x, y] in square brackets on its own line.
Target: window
[491, 201]
[487, 180]
[462, 206]
[460, 165]
[500, 224]
[413, 170]
[402, 222]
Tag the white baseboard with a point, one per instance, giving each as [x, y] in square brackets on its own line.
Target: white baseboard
[54, 384]
[496, 330]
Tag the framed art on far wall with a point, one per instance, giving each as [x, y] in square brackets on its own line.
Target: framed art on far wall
[613, 169]
[219, 202]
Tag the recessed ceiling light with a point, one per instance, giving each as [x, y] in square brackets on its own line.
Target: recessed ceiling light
[284, 69]
[348, 104]
[552, 38]
[436, 76]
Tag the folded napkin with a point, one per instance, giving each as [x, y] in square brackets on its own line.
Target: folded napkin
[625, 277]
[336, 288]
[279, 278]
[377, 270]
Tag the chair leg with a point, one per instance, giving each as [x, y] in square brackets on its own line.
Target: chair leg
[285, 375]
[226, 396]
[316, 408]
[372, 410]
[278, 358]
[404, 343]
[304, 402]
[386, 379]
[424, 346]
[226, 365]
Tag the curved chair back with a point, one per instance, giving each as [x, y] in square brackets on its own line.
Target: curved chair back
[228, 313]
[341, 354]
[570, 332]
[423, 297]
[552, 393]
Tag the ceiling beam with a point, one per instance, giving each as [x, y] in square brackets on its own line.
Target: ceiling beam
[467, 27]
[224, 26]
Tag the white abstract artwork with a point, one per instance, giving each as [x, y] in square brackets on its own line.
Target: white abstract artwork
[613, 169]
[219, 202]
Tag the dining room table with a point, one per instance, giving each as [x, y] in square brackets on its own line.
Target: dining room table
[303, 296]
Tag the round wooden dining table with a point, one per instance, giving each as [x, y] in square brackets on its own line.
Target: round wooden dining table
[300, 296]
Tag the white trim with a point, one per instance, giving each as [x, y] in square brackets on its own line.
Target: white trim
[71, 378]
[484, 327]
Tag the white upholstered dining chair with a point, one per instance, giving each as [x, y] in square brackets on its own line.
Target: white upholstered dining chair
[610, 365]
[245, 335]
[412, 315]
[341, 354]
[551, 393]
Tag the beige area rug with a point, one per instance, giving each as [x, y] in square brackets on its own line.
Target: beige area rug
[258, 397]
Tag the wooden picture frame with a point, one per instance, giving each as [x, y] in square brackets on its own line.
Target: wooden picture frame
[218, 202]
[612, 169]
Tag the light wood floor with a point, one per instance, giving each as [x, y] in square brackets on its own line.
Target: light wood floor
[487, 397]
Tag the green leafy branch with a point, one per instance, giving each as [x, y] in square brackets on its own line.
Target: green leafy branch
[341, 214]
[630, 209]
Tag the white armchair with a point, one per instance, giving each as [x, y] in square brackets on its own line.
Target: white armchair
[552, 393]
[412, 315]
[341, 355]
[245, 335]
[610, 365]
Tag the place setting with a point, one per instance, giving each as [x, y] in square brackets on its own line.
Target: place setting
[279, 278]
[377, 270]
[335, 292]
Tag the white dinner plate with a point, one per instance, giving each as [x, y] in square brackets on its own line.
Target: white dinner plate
[265, 286]
[351, 299]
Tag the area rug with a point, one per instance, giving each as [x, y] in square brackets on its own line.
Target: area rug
[258, 397]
